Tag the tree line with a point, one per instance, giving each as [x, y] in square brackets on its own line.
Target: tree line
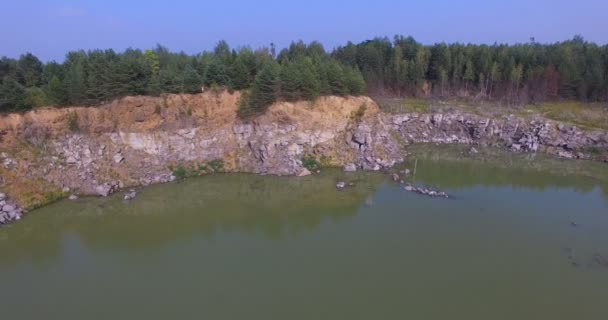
[517, 74]
[301, 71]
[521, 73]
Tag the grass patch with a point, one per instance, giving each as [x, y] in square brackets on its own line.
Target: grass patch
[403, 105]
[310, 162]
[587, 115]
[197, 169]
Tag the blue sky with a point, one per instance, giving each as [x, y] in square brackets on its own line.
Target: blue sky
[51, 28]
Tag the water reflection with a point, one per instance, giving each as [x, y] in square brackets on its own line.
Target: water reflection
[269, 207]
[272, 207]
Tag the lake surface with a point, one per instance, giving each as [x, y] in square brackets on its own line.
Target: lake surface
[239, 246]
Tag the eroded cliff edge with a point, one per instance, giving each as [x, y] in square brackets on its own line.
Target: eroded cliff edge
[136, 141]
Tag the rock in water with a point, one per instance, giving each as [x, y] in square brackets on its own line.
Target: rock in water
[104, 189]
[341, 185]
[73, 197]
[396, 177]
[350, 167]
[409, 188]
[473, 150]
[304, 172]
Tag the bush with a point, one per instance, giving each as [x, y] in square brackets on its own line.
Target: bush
[179, 172]
[358, 115]
[73, 121]
[216, 165]
[310, 162]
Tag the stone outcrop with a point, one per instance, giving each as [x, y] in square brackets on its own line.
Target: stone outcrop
[9, 210]
[516, 134]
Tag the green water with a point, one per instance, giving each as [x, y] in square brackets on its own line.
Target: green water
[241, 246]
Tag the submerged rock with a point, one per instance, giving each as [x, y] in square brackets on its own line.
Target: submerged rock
[130, 195]
[426, 191]
[105, 189]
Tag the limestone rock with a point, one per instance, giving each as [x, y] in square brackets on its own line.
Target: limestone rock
[304, 172]
[350, 167]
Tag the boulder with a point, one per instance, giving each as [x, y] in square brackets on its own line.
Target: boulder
[104, 189]
[8, 208]
[2, 196]
[350, 167]
[130, 195]
[73, 197]
[304, 172]
[341, 185]
[12, 215]
[473, 150]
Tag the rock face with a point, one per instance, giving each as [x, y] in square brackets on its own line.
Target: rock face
[129, 143]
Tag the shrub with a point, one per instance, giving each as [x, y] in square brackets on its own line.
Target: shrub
[73, 121]
[216, 165]
[179, 172]
[358, 115]
[310, 162]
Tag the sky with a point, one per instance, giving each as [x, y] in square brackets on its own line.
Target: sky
[51, 28]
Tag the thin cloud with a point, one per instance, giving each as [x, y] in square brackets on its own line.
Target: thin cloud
[69, 12]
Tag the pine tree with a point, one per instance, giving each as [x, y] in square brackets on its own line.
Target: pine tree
[354, 81]
[191, 81]
[264, 89]
[309, 84]
[336, 79]
[289, 79]
[469, 74]
[55, 91]
[12, 96]
[216, 74]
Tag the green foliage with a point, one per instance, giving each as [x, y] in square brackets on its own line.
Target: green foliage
[72, 118]
[179, 172]
[263, 93]
[193, 170]
[12, 96]
[358, 115]
[216, 165]
[35, 97]
[310, 162]
[521, 73]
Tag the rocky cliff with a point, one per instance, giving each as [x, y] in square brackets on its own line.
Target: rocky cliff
[49, 153]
